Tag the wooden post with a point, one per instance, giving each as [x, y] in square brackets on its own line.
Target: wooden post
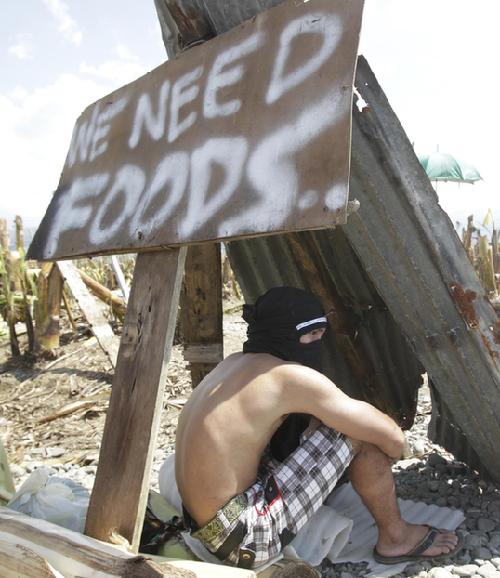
[201, 310]
[48, 307]
[201, 297]
[119, 497]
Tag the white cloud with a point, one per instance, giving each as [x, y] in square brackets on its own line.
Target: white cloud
[37, 126]
[67, 25]
[22, 47]
[35, 137]
[124, 68]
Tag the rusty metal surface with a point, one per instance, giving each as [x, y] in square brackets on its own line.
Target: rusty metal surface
[366, 355]
[245, 135]
[415, 265]
[186, 21]
[407, 247]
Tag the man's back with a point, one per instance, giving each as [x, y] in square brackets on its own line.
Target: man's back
[224, 428]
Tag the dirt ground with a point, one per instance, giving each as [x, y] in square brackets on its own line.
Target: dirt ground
[35, 393]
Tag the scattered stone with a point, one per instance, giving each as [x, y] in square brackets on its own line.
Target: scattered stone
[473, 540]
[433, 485]
[486, 525]
[435, 459]
[466, 570]
[439, 573]
[418, 447]
[487, 570]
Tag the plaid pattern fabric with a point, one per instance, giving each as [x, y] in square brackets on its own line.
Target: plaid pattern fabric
[285, 495]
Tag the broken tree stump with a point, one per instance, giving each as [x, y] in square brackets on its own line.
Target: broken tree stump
[48, 307]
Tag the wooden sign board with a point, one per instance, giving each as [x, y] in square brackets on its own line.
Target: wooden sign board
[246, 134]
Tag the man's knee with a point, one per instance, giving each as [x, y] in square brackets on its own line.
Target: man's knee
[365, 448]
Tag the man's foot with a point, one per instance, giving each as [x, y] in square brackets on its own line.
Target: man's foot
[425, 543]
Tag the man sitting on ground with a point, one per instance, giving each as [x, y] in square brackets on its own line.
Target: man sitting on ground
[244, 504]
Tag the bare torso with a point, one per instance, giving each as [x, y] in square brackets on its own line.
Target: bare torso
[223, 430]
[233, 413]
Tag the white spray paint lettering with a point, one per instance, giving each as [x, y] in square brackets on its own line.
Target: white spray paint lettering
[219, 78]
[89, 139]
[178, 191]
[144, 116]
[169, 182]
[128, 186]
[71, 214]
[328, 27]
[183, 92]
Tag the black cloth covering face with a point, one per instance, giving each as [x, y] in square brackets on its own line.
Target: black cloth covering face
[273, 321]
[272, 328]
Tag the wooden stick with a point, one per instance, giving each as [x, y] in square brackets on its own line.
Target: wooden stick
[31, 547]
[119, 497]
[120, 277]
[104, 294]
[67, 306]
[68, 409]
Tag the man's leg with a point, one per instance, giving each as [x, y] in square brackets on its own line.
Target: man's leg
[371, 476]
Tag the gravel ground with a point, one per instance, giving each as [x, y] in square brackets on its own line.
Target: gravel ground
[428, 473]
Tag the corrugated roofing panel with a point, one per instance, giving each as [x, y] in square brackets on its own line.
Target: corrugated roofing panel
[400, 251]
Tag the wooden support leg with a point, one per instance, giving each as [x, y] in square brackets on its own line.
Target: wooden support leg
[201, 310]
[118, 501]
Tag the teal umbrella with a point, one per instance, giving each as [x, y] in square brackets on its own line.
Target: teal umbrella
[445, 167]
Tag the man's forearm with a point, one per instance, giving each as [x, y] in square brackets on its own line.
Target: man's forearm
[383, 431]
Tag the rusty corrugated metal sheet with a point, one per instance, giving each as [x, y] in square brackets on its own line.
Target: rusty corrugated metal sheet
[415, 266]
[408, 248]
[188, 22]
[366, 353]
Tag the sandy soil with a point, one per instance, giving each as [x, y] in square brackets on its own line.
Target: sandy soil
[34, 391]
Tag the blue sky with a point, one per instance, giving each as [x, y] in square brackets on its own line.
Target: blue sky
[435, 59]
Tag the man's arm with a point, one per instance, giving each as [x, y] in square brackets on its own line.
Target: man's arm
[307, 391]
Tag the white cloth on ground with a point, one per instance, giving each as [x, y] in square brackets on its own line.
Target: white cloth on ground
[343, 530]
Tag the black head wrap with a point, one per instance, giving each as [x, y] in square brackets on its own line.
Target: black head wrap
[275, 324]
[277, 321]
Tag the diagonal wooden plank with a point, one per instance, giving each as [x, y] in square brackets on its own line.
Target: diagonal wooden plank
[93, 309]
[118, 501]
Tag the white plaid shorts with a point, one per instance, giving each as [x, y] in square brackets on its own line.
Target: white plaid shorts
[285, 495]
